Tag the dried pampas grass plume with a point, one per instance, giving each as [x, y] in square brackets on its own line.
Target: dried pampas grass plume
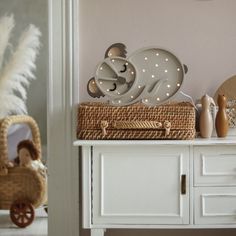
[17, 72]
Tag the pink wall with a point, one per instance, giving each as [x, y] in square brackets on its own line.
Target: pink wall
[202, 33]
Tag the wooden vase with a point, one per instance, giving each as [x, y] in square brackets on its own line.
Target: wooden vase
[221, 122]
[205, 120]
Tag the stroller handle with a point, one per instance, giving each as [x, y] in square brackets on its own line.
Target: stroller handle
[5, 123]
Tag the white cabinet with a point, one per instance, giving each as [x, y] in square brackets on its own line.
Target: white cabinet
[158, 184]
[215, 169]
[140, 186]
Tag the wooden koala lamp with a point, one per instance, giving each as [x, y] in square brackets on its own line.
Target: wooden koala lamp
[149, 75]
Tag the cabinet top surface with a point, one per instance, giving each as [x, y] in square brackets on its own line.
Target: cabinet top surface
[197, 141]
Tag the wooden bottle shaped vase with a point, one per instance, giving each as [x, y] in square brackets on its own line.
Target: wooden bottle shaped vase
[221, 122]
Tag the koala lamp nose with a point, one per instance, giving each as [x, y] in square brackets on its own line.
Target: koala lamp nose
[121, 80]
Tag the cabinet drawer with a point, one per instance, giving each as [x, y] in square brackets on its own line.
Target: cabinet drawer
[215, 205]
[215, 166]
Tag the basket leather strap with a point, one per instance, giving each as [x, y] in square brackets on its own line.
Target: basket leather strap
[136, 125]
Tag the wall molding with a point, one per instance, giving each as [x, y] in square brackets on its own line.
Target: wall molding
[61, 123]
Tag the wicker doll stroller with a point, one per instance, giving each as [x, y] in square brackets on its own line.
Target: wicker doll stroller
[22, 189]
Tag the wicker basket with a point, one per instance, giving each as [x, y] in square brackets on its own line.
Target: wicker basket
[20, 183]
[102, 121]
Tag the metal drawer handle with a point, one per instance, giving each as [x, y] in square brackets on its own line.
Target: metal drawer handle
[183, 184]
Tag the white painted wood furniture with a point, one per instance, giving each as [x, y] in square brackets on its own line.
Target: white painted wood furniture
[62, 107]
[158, 184]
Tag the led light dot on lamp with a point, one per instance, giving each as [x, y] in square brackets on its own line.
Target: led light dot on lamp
[126, 63]
[166, 59]
[143, 70]
[132, 72]
[158, 99]
[167, 94]
[178, 85]
[132, 96]
[118, 93]
[113, 60]
[100, 82]
[153, 76]
[146, 100]
[156, 65]
[157, 54]
[178, 69]
[145, 58]
[168, 85]
[166, 71]
[139, 86]
[100, 68]
[119, 101]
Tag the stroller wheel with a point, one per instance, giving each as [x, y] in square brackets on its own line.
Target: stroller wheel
[22, 213]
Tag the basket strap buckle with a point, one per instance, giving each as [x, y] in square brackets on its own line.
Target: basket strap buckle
[104, 125]
[167, 126]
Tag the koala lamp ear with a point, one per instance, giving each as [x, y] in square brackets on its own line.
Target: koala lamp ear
[185, 69]
[93, 89]
[116, 50]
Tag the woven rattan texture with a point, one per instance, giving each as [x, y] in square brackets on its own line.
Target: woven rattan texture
[137, 134]
[180, 115]
[20, 183]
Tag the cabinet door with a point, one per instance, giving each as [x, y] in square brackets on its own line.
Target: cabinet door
[140, 185]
